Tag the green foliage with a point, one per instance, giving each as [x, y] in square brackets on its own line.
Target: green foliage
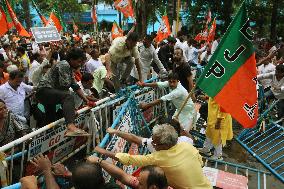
[62, 6]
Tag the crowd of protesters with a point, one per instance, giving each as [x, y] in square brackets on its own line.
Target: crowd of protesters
[48, 81]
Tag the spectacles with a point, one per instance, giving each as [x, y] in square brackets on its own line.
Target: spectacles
[156, 144]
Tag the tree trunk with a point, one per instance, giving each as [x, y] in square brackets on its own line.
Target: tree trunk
[274, 16]
[144, 18]
[228, 9]
[27, 16]
[141, 17]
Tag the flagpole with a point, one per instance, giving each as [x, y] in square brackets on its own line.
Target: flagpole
[177, 23]
[185, 101]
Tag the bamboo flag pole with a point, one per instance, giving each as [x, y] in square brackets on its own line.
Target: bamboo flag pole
[184, 103]
[178, 9]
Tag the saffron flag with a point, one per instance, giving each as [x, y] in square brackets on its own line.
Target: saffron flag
[3, 22]
[43, 19]
[230, 76]
[10, 25]
[164, 30]
[21, 30]
[54, 21]
[124, 6]
[211, 34]
[94, 14]
[116, 31]
[75, 27]
[202, 36]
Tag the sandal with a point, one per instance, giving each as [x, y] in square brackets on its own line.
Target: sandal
[77, 133]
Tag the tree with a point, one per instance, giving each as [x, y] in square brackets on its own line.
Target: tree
[27, 16]
[274, 19]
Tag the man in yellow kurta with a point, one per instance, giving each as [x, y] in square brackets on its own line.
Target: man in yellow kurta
[219, 130]
[181, 162]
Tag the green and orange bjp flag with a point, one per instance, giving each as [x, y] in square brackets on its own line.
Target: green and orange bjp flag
[230, 76]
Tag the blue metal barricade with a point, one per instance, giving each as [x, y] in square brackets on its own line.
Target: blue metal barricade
[267, 146]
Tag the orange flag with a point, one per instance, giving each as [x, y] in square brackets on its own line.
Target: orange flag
[10, 25]
[3, 22]
[211, 34]
[116, 31]
[54, 21]
[202, 36]
[21, 30]
[124, 6]
[164, 30]
[94, 14]
[75, 27]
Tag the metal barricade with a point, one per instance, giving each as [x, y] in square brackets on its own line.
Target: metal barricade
[267, 146]
[96, 120]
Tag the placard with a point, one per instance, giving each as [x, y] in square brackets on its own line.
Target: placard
[225, 180]
[45, 34]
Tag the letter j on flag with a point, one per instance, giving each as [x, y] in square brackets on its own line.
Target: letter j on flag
[230, 76]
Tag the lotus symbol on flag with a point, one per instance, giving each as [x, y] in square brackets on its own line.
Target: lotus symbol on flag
[116, 31]
[51, 23]
[123, 3]
[164, 28]
[16, 20]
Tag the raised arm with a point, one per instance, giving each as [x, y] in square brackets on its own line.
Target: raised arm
[129, 137]
[153, 85]
[113, 170]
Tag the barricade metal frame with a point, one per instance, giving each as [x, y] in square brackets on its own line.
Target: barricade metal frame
[99, 116]
[266, 146]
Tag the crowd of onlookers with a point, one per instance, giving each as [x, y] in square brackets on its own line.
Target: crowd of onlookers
[47, 81]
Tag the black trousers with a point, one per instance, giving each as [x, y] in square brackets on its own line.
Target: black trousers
[50, 97]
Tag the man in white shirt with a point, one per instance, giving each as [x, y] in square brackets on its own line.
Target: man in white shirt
[277, 87]
[191, 52]
[214, 45]
[205, 57]
[177, 95]
[36, 61]
[85, 36]
[266, 67]
[35, 47]
[94, 63]
[147, 55]
[6, 52]
[13, 93]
